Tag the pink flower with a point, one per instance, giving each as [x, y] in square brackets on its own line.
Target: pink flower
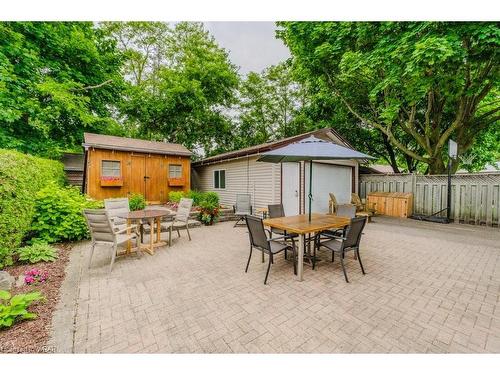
[29, 279]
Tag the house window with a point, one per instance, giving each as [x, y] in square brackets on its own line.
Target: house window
[111, 168]
[174, 171]
[220, 179]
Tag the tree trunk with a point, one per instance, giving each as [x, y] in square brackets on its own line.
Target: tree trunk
[437, 165]
[390, 152]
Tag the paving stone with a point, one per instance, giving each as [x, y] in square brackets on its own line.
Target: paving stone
[428, 288]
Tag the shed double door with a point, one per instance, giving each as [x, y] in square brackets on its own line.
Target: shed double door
[147, 177]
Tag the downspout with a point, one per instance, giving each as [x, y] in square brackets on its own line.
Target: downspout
[84, 177]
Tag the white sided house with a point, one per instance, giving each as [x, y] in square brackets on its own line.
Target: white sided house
[239, 172]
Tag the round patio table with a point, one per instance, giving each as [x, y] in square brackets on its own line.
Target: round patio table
[153, 217]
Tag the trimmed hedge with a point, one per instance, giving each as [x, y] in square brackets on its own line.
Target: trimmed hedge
[21, 177]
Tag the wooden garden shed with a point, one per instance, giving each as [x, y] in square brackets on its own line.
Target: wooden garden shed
[118, 167]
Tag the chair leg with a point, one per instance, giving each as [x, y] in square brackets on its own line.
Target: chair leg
[91, 254]
[113, 256]
[249, 257]
[170, 236]
[359, 259]
[178, 233]
[237, 221]
[314, 256]
[187, 230]
[138, 246]
[294, 261]
[343, 267]
[285, 254]
[333, 256]
[268, 267]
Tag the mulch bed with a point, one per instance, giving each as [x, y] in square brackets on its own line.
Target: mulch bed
[30, 336]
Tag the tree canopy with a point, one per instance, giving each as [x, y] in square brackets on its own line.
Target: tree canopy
[415, 83]
[396, 90]
[57, 80]
[179, 84]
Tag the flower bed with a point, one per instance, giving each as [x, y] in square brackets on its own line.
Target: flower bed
[30, 336]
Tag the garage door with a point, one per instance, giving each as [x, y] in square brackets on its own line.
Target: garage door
[328, 178]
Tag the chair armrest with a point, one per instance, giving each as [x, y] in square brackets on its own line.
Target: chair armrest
[277, 238]
[124, 230]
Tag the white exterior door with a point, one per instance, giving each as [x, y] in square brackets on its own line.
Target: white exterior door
[328, 178]
[290, 183]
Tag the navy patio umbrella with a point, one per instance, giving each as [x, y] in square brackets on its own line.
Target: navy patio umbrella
[310, 149]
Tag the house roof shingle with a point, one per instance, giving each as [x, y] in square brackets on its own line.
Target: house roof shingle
[111, 142]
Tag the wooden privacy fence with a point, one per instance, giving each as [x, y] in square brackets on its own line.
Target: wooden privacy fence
[475, 197]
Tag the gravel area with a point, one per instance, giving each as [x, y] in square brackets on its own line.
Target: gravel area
[30, 336]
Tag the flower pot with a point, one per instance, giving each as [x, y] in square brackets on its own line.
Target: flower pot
[176, 182]
[111, 182]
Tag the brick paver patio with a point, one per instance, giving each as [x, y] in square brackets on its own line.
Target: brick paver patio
[428, 288]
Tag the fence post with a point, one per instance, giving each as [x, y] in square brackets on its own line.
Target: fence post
[414, 190]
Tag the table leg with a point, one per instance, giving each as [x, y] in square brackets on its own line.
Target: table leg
[151, 235]
[129, 232]
[300, 260]
[158, 229]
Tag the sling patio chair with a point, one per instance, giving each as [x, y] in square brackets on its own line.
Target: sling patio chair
[181, 219]
[260, 241]
[349, 242]
[115, 207]
[277, 210]
[243, 207]
[102, 232]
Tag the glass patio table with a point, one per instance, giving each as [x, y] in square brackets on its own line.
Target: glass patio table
[301, 225]
[153, 217]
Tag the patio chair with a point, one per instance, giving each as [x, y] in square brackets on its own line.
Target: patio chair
[332, 204]
[349, 242]
[243, 207]
[277, 210]
[102, 232]
[181, 219]
[260, 241]
[346, 210]
[115, 207]
[360, 205]
[362, 208]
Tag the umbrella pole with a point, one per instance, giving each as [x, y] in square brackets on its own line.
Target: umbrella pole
[310, 187]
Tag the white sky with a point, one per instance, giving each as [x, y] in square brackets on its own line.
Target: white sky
[251, 45]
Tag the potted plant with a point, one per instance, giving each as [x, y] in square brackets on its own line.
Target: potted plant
[208, 212]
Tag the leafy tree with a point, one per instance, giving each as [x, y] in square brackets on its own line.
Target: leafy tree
[268, 107]
[57, 80]
[180, 84]
[416, 83]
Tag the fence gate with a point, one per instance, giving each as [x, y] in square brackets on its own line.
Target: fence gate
[475, 197]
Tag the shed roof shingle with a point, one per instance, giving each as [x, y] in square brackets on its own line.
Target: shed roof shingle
[133, 144]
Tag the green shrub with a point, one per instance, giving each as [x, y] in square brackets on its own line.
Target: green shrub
[16, 307]
[58, 214]
[175, 196]
[196, 196]
[37, 252]
[137, 202]
[211, 197]
[21, 177]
